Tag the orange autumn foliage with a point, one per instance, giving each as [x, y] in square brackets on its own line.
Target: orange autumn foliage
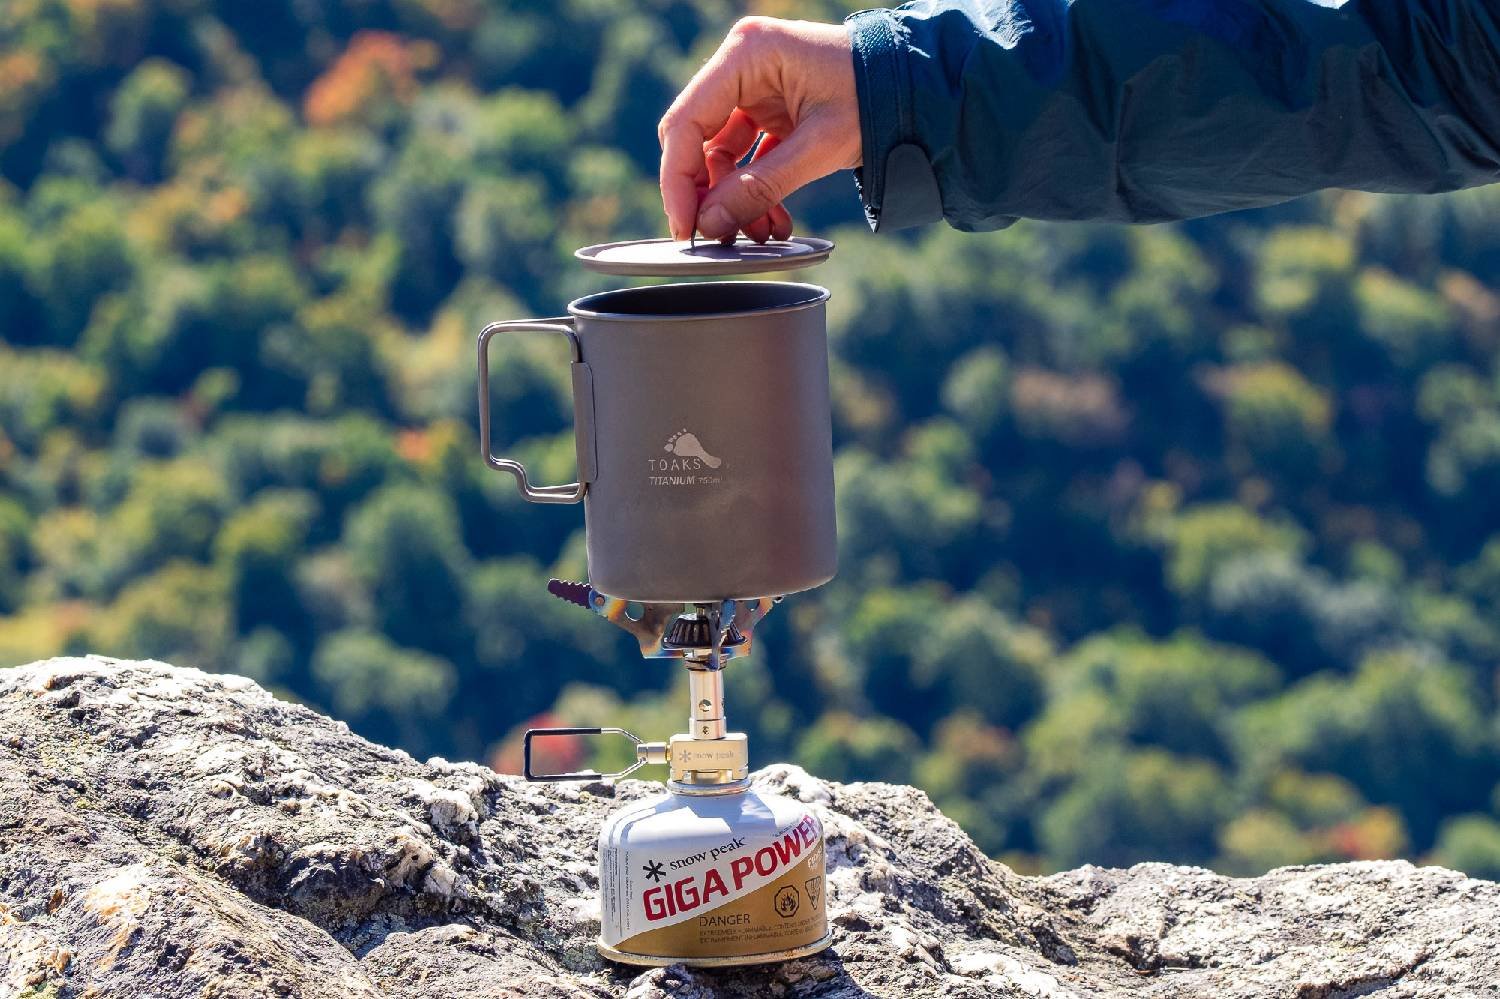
[378, 66]
[414, 446]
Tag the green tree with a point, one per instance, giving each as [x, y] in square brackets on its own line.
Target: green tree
[1179, 694]
[333, 349]
[503, 230]
[257, 550]
[416, 202]
[976, 390]
[844, 747]
[1303, 277]
[1413, 324]
[178, 614]
[15, 553]
[1145, 805]
[515, 619]
[1276, 420]
[1202, 538]
[333, 169]
[920, 509]
[172, 511]
[971, 771]
[404, 543]
[75, 263]
[1300, 818]
[18, 320]
[1470, 843]
[142, 112]
[1407, 731]
[341, 460]
[395, 694]
[43, 390]
[978, 659]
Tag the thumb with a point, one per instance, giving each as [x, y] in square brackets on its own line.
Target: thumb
[747, 193]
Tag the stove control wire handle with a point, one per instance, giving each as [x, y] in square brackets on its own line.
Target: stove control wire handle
[583, 412]
[645, 752]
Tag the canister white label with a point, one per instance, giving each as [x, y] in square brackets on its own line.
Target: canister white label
[743, 894]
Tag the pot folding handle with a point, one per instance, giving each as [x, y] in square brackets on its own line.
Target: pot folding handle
[583, 407]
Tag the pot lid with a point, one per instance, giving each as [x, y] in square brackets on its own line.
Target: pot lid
[685, 258]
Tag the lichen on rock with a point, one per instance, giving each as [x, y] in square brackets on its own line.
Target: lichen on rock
[166, 832]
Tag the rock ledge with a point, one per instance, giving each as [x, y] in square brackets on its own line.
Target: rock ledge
[171, 833]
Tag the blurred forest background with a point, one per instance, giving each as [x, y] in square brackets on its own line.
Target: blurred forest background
[1174, 543]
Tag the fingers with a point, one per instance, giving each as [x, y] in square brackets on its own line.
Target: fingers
[777, 222]
[721, 164]
[781, 223]
[756, 189]
[723, 153]
[758, 230]
[729, 146]
[702, 110]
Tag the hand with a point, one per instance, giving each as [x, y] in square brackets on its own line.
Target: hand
[793, 81]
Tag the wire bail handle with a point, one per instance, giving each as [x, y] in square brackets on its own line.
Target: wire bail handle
[645, 752]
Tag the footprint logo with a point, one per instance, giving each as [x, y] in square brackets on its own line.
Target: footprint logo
[686, 445]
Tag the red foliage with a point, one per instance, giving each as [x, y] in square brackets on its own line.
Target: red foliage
[557, 754]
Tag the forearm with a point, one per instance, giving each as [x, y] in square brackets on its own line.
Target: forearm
[1152, 110]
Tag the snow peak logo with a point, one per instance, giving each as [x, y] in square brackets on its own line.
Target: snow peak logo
[686, 463]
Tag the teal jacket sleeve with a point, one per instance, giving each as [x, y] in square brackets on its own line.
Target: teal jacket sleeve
[983, 111]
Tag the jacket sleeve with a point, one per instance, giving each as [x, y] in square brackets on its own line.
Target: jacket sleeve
[983, 111]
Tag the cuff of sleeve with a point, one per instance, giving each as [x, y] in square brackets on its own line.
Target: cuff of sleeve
[896, 183]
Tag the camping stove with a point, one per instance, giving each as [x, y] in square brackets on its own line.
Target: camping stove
[701, 417]
[710, 873]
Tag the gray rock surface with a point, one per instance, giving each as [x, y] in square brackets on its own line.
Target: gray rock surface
[169, 833]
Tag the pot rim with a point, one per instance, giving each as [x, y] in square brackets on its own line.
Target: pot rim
[578, 308]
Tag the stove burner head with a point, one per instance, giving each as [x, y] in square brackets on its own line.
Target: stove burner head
[690, 631]
[710, 633]
[695, 630]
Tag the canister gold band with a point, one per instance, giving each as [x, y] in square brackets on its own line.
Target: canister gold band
[770, 957]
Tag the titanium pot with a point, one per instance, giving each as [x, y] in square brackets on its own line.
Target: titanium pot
[705, 455]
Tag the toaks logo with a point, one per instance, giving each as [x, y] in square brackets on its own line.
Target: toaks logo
[687, 462]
